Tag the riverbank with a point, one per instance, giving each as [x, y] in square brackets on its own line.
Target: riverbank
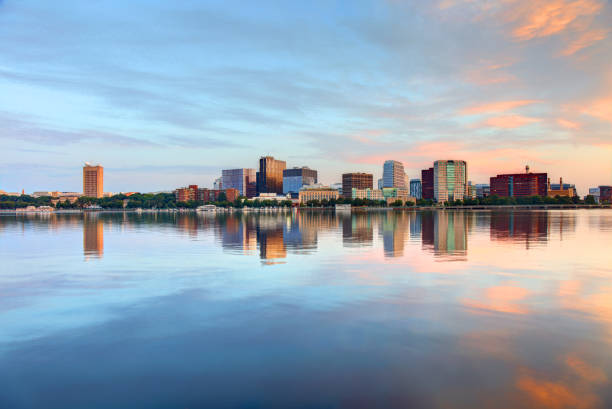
[287, 209]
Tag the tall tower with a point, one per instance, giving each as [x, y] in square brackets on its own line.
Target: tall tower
[393, 174]
[93, 181]
[270, 175]
[450, 180]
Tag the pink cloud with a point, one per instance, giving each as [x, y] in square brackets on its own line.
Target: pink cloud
[509, 121]
[500, 299]
[489, 74]
[542, 18]
[585, 40]
[600, 108]
[568, 124]
[496, 107]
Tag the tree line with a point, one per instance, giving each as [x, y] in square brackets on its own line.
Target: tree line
[168, 201]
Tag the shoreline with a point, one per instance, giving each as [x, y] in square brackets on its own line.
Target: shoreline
[329, 208]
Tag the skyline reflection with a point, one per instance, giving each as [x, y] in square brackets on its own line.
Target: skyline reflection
[444, 234]
[394, 309]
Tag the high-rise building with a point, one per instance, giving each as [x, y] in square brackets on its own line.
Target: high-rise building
[482, 190]
[471, 190]
[605, 194]
[427, 183]
[296, 178]
[393, 174]
[520, 184]
[450, 180]
[357, 181]
[93, 181]
[270, 175]
[218, 183]
[594, 191]
[415, 188]
[243, 180]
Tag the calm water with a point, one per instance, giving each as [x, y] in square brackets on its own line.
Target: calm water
[444, 309]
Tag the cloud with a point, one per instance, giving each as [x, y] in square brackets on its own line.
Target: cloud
[509, 121]
[542, 18]
[568, 124]
[599, 108]
[496, 107]
[503, 299]
[30, 131]
[585, 40]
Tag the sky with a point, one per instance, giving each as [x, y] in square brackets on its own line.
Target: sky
[168, 93]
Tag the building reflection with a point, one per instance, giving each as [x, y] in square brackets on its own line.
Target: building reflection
[357, 229]
[237, 234]
[93, 236]
[520, 226]
[271, 242]
[445, 233]
[394, 228]
[274, 236]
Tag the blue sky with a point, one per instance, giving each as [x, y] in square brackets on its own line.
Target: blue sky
[165, 94]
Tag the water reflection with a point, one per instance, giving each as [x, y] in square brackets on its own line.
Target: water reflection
[93, 236]
[307, 309]
[444, 234]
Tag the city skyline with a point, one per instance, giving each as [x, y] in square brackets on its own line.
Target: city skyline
[498, 85]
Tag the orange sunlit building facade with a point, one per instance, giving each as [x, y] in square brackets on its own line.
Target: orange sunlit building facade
[93, 181]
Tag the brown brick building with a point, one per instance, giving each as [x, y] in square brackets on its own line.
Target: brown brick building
[93, 181]
[520, 185]
[357, 181]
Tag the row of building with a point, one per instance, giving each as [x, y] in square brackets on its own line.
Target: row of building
[446, 180]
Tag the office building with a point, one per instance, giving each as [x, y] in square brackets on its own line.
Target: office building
[520, 184]
[427, 183]
[242, 180]
[270, 175]
[471, 190]
[93, 181]
[380, 183]
[218, 183]
[605, 194]
[561, 189]
[357, 181]
[594, 191]
[296, 178]
[482, 190]
[415, 188]
[450, 180]
[369, 194]
[308, 193]
[392, 194]
[393, 174]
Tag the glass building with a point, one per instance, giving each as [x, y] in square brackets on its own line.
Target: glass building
[393, 174]
[296, 178]
[415, 188]
[243, 180]
[450, 180]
